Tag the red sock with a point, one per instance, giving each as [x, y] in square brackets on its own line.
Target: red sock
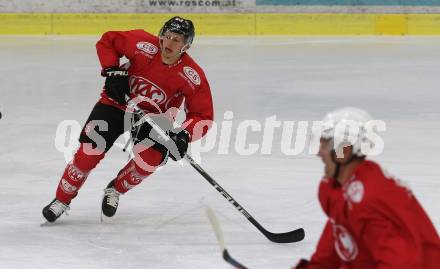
[143, 165]
[75, 174]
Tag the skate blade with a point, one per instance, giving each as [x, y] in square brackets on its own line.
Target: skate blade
[105, 219]
[46, 224]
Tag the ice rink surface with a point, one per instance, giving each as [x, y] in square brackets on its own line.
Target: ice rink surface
[162, 222]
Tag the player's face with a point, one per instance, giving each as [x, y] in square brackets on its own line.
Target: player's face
[172, 46]
[325, 153]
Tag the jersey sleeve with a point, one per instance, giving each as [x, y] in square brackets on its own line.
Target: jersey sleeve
[113, 45]
[325, 256]
[199, 111]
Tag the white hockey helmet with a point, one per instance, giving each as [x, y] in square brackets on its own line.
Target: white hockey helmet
[347, 126]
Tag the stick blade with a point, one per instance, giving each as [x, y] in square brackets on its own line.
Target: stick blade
[232, 261]
[289, 237]
[219, 234]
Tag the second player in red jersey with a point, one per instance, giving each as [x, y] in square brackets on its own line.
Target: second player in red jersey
[374, 221]
[160, 78]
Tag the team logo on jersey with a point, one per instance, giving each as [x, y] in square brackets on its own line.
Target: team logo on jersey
[144, 87]
[147, 47]
[67, 187]
[192, 75]
[345, 245]
[355, 191]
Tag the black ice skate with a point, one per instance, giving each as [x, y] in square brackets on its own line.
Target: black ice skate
[110, 200]
[54, 210]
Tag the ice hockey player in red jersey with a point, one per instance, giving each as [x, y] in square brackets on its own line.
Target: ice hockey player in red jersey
[161, 77]
[374, 221]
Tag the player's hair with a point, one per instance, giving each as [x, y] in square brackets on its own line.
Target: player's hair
[181, 26]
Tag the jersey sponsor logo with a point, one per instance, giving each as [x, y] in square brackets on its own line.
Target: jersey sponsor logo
[147, 47]
[144, 87]
[192, 75]
[67, 187]
[345, 244]
[355, 191]
[74, 173]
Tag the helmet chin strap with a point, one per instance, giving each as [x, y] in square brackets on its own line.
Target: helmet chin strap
[184, 48]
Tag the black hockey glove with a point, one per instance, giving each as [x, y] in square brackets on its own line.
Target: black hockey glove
[181, 140]
[116, 84]
[175, 148]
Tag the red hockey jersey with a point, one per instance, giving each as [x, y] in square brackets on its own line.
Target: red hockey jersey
[375, 222]
[166, 85]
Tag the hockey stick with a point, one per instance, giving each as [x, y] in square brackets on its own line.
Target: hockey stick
[219, 234]
[287, 237]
